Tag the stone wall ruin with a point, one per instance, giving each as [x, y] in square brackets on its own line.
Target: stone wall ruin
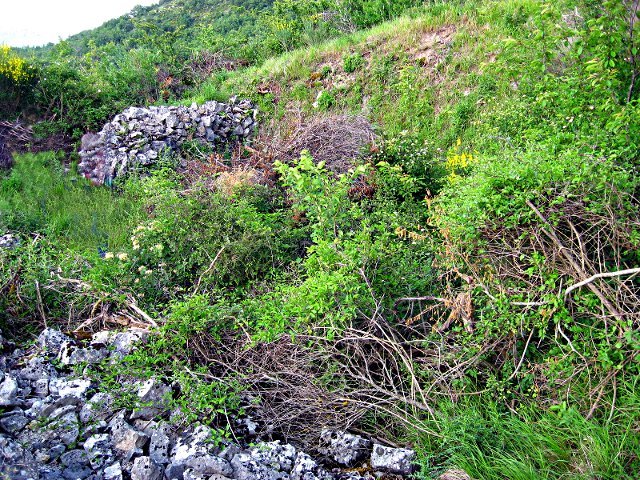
[136, 137]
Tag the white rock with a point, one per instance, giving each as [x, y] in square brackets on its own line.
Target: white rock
[146, 469]
[8, 391]
[113, 472]
[393, 460]
[344, 448]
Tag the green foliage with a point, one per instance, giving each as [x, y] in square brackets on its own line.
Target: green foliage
[354, 256]
[352, 62]
[416, 158]
[325, 101]
[201, 242]
[26, 273]
[38, 197]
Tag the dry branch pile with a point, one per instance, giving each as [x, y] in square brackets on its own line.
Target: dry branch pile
[13, 138]
[337, 140]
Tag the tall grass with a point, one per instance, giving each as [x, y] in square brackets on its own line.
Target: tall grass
[491, 444]
[37, 196]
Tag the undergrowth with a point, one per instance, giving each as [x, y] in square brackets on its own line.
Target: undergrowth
[467, 284]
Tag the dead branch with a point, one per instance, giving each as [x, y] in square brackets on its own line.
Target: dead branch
[619, 273]
[337, 140]
[211, 265]
[550, 232]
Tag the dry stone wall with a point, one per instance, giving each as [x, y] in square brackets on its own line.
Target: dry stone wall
[136, 137]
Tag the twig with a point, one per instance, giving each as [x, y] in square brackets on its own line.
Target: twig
[619, 273]
[40, 307]
[572, 261]
[139, 311]
[524, 353]
[421, 299]
[213, 262]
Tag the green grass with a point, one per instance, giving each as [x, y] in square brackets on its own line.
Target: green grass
[37, 196]
[491, 444]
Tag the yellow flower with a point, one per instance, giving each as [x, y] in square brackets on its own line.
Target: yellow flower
[108, 255]
[122, 256]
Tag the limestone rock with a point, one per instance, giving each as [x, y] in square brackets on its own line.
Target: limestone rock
[393, 460]
[454, 474]
[343, 448]
[160, 444]
[126, 439]
[9, 391]
[14, 421]
[98, 448]
[9, 241]
[144, 468]
[191, 445]
[98, 408]
[154, 396]
[64, 387]
[52, 340]
[113, 472]
[305, 468]
[207, 465]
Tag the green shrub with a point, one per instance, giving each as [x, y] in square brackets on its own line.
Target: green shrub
[204, 241]
[352, 62]
[325, 101]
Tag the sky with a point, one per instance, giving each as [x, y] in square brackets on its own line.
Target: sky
[38, 22]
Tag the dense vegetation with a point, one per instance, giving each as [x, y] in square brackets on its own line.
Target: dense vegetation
[157, 53]
[468, 285]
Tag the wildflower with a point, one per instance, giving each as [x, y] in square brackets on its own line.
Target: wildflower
[108, 255]
[158, 247]
[122, 256]
[148, 272]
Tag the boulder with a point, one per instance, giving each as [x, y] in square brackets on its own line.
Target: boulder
[9, 391]
[51, 341]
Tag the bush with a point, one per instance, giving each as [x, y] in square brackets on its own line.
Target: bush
[352, 62]
[204, 241]
[17, 80]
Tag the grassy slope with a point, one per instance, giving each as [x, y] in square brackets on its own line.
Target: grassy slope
[474, 72]
[433, 74]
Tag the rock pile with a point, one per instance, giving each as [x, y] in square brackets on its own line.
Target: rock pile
[137, 136]
[56, 424]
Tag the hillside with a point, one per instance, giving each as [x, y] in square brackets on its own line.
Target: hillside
[186, 20]
[155, 54]
[432, 239]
